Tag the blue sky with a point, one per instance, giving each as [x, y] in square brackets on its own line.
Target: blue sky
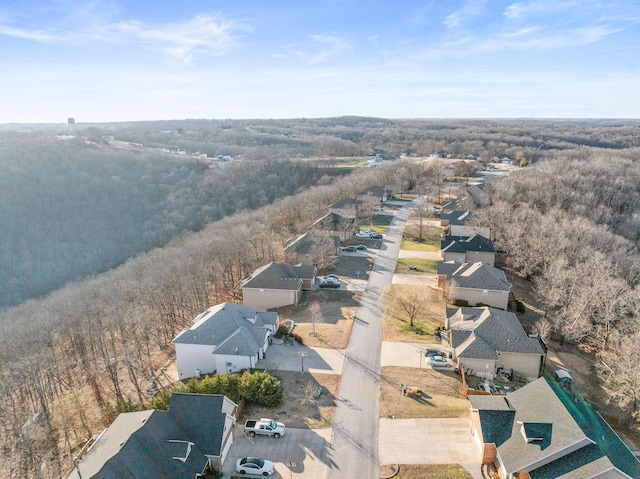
[122, 60]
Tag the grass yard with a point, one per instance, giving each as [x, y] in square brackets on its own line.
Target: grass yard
[433, 471]
[430, 315]
[429, 266]
[441, 395]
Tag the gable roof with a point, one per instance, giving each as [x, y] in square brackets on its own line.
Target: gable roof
[474, 275]
[534, 403]
[280, 276]
[163, 444]
[306, 242]
[457, 217]
[346, 203]
[333, 222]
[544, 438]
[220, 322]
[376, 191]
[458, 244]
[482, 333]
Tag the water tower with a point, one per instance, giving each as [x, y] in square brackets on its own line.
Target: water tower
[72, 126]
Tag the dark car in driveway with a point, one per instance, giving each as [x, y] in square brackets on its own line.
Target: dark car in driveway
[330, 283]
[376, 236]
[350, 249]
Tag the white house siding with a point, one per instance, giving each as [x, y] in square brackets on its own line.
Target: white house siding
[523, 364]
[269, 298]
[226, 364]
[190, 357]
[497, 299]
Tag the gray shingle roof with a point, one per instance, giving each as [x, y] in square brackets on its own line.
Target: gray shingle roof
[333, 222]
[144, 444]
[534, 403]
[457, 217]
[219, 322]
[279, 276]
[346, 203]
[480, 333]
[474, 275]
[306, 242]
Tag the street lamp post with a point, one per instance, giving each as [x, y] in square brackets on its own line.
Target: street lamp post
[302, 356]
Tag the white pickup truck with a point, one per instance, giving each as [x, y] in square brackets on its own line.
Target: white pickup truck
[265, 427]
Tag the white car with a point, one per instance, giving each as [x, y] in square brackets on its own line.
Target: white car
[363, 234]
[439, 362]
[254, 465]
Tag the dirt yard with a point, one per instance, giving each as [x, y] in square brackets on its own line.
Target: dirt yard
[305, 405]
[440, 396]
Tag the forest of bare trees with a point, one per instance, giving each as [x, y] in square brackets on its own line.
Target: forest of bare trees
[571, 227]
[71, 360]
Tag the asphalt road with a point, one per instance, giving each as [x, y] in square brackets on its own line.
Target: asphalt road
[353, 449]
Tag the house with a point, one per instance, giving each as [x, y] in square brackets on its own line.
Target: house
[379, 192]
[440, 154]
[489, 340]
[409, 153]
[347, 207]
[459, 224]
[333, 223]
[477, 194]
[477, 283]
[226, 338]
[310, 249]
[275, 285]
[531, 434]
[467, 250]
[195, 433]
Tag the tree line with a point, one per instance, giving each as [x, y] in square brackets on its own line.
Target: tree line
[571, 227]
[71, 208]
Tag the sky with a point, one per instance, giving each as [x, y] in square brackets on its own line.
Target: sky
[134, 60]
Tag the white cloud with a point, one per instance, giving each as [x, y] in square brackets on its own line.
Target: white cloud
[201, 35]
[330, 46]
[471, 10]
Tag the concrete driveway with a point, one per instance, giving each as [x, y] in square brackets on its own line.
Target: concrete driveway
[282, 357]
[309, 449]
[429, 441]
[408, 355]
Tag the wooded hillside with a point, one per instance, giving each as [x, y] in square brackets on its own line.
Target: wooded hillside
[69, 362]
[72, 208]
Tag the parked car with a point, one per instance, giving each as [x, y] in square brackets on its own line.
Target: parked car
[377, 208]
[329, 283]
[332, 276]
[264, 427]
[375, 236]
[350, 249]
[361, 247]
[254, 465]
[363, 234]
[439, 362]
[433, 352]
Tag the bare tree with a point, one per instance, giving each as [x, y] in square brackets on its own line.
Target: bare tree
[411, 302]
[314, 312]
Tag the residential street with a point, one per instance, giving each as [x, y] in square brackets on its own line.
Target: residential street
[354, 440]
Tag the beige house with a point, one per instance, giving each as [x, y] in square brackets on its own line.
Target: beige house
[530, 434]
[311, 249]
[275, 285]
[460, 223]
[477, 283]
[489, 341]
[474, 249]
